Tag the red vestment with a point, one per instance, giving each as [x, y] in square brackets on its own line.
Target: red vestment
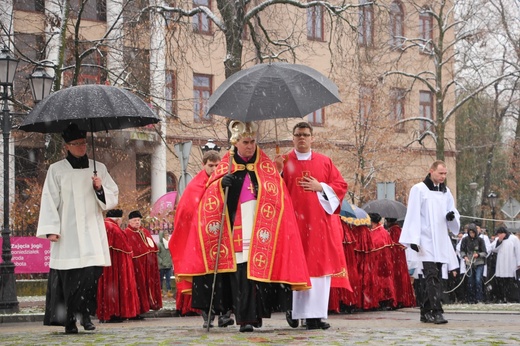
[321, 233]
[366, 266]
[275, 252]
[338, 295]
[146, 267]
[117, 290]
[383, 270]
[185, 214]
[402, 282]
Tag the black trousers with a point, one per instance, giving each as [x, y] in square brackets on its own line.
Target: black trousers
[431, 288]
[250, 300]
[71, 292]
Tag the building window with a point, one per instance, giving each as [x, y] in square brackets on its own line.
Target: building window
[170, 92]
[425, 109]
[315, 23]
[316, 118]
[92, 9]
[171, 182]
[143, 173]
[201, 23]
[366, 23]
[426, 29]
[202, 86]
[366, 95]
[29, 5]
[396, 24]
[397, 99]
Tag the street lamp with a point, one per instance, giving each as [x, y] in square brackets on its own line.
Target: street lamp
[210, 145]
[473, 186]
[492, 198]
[40, 89]
[41, 83]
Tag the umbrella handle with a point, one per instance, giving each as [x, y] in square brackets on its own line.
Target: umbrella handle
[277, 149]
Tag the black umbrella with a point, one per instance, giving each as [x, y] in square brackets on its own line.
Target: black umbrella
[271, 91]
[387, 208]
[92, 107]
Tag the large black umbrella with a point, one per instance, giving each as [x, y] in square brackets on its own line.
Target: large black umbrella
[387, 208]
[271, 91]
[92, 107]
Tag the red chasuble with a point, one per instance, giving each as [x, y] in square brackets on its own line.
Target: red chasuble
[321, 233]
[117, 290]
[275, 253]
[146, 267]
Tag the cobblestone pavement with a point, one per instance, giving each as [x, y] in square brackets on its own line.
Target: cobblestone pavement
[400, 327]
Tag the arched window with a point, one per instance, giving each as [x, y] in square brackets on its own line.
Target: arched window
[396, 24]
[171, 182]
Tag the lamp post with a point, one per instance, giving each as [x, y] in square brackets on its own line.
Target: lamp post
[473, 186]
[210, 145]
[8, 65]
[492, 198]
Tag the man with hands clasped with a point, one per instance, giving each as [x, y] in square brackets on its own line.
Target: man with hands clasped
[431, 214]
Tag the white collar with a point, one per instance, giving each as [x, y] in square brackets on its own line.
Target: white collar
[303, 156]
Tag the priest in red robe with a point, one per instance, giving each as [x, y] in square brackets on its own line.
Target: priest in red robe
[146, 264]
[383, 270]
[402, 281]
[317, 189]
[117, 291]
[260, 255]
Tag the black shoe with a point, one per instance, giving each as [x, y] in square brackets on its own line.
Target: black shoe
[87, 323]
[137, 318]
[114, 319]
[71, 328]
[205, 318]
[292, 323]
[246, 328]
[257, 324]
[312, 323]
[427, 317]
[323, 325]
[225, 320]
[439, 319]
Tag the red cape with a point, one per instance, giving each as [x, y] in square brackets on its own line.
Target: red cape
[383, 273]
[184, 215]
[321, 233]
[146, 267]
[117, 290]
[402, 282]
[275, 254]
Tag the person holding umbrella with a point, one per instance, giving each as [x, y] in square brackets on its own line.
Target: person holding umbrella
[71, 217]
[244, 248]
[317, 189]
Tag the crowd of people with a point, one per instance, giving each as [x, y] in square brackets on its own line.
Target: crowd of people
[488, 266]
[253, 236]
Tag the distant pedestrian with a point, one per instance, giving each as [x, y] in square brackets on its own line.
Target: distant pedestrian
[165, 263]
[473, 252]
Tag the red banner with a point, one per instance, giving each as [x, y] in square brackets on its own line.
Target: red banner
[30, 255]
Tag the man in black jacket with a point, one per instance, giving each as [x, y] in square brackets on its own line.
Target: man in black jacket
[473, 251]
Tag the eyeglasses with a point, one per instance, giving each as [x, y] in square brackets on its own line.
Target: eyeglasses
[79, 144]
[302, 135]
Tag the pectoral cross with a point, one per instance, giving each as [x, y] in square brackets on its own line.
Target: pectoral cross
[251, 188]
